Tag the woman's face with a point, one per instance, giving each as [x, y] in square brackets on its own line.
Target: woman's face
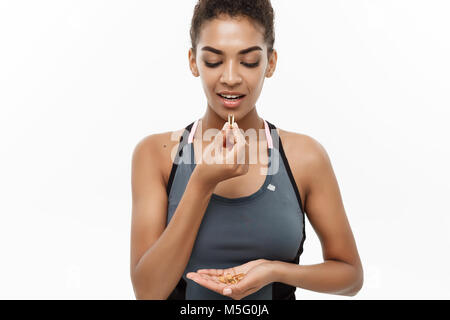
[232, 57]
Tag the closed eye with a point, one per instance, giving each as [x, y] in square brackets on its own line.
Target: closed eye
[249, 65]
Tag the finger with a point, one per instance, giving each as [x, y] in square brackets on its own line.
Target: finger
[227, 291]
[190, 275]
[222, 133]
[213, 272]
[226, 125]
[203, 270]
[229, 137]
[208, 282]
[218, 139]
[217, 147]
[242, 147]
[235, 291]
[238, 134]
[242, 289]
[208, 276]
[227, 271]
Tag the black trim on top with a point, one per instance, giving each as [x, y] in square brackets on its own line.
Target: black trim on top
[288, 168]
[282, 291]
[179, 292]
[291, 177]
[175, 163]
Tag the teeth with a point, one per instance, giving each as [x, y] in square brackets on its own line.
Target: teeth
[229, 97]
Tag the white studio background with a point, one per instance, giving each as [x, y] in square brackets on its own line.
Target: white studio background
[82, 82]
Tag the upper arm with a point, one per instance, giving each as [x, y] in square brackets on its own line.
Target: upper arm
[325, 209]
[149, 199]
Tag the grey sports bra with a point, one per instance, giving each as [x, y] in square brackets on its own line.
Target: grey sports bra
[269, 224]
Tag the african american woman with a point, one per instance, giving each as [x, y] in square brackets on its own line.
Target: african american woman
[219, 206]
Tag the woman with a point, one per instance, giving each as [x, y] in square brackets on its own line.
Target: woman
[202, 229]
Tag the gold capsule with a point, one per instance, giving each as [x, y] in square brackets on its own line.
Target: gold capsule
[231, 120]
[229, 279]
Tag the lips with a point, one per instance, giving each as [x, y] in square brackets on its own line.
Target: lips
[231, 102]
[231, 93]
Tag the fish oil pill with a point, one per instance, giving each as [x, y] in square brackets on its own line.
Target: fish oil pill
[229, 279]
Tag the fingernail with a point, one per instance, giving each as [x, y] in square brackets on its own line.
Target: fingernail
[227, 291]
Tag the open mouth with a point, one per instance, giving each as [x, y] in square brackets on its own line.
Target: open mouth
[231, 97]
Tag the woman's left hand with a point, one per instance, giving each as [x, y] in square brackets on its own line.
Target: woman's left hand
[258, 273]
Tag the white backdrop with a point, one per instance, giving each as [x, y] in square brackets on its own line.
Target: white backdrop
[82, 82]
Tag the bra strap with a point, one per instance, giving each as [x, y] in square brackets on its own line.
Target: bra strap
[268, 135]
[191, 135]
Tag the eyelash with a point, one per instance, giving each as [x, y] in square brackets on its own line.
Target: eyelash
[249, 65]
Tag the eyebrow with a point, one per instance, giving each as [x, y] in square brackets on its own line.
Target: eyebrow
[208, 48]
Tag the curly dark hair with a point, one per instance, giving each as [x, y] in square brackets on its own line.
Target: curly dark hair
[260, 11]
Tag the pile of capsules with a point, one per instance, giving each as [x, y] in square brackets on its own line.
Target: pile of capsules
[229, 279]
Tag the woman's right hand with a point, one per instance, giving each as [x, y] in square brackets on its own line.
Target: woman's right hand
[227, 156]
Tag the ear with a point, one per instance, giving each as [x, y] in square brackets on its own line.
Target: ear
[193, 63]
[272, 64]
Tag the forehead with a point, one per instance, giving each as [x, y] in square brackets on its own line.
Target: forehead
[231, 33]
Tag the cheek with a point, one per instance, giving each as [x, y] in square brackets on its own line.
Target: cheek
[208, 78]
[255, 81]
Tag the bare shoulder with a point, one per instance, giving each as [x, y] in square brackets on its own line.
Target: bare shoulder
[157, 150]
[306, 155]
[310, 147]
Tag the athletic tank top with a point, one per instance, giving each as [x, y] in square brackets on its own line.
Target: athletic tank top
[268, 224]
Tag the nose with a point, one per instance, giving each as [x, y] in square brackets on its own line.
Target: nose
[230, 75]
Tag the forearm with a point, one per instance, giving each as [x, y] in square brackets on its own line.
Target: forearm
[161, 267]
[333, 277]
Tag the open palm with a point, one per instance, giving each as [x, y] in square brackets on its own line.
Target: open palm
[256, 275]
